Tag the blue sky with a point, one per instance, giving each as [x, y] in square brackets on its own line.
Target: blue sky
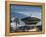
[31, 11]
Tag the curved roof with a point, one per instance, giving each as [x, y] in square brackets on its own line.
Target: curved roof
[31, 20]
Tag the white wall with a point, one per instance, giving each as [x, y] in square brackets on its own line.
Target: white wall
[2, 18]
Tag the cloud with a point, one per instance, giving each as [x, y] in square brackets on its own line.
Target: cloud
[31, 14]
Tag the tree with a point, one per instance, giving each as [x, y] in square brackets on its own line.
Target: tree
[17, 21]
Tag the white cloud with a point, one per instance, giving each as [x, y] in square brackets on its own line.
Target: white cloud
[31, 14]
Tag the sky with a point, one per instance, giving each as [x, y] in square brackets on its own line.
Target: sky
[32, 11]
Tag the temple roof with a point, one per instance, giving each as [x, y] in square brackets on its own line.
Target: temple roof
[31, 20]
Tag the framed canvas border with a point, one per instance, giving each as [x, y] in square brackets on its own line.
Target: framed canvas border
[7, 18]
